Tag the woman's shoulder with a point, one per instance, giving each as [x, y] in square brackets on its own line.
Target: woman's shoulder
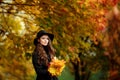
[34, 53]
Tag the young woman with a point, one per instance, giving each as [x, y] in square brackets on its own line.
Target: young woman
[42, 55]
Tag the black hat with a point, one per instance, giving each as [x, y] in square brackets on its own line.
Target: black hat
[43, 32]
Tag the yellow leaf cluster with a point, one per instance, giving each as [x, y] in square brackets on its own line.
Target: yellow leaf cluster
[20, 1]
[56, 67]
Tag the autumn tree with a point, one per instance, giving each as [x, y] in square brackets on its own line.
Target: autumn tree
[78, 26]
[111, 43]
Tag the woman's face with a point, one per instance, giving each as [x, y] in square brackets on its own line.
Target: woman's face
[44, 40]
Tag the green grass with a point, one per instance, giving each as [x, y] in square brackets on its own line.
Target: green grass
[66, 75]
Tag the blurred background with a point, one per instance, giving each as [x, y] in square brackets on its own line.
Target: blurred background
[87, 37]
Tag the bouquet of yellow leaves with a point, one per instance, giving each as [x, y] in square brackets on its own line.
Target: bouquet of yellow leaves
[56, 67]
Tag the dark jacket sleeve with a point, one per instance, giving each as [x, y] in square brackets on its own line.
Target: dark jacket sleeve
[40, 69]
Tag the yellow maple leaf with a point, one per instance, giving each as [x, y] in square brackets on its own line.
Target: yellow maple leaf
[56, 67]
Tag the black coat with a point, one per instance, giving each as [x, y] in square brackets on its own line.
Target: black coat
[41, 69]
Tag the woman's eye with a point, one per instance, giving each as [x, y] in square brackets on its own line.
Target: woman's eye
[43, 38]
[46, 38]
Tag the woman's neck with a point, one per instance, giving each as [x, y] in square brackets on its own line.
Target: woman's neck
[46, 49]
